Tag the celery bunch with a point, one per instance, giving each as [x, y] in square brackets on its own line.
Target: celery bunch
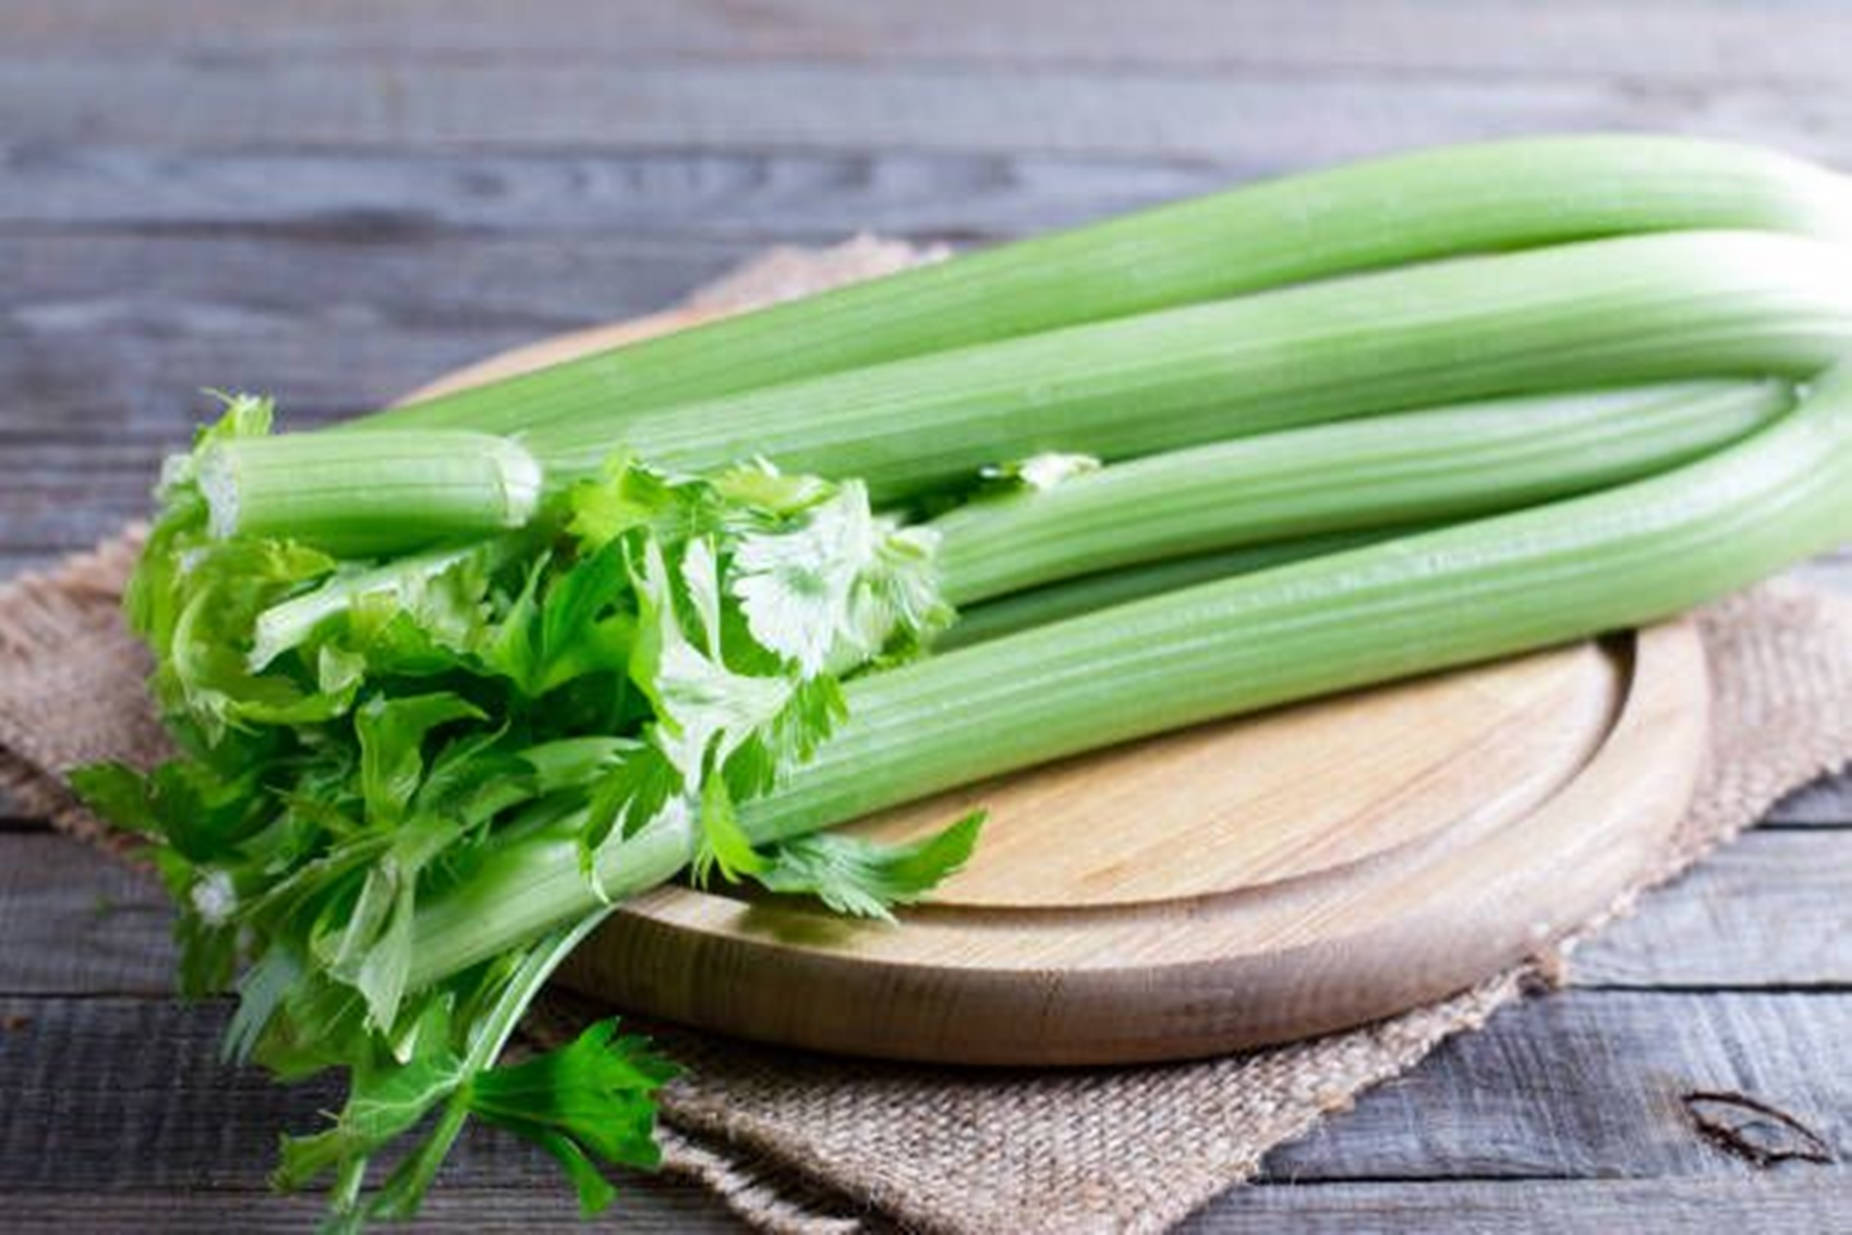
[453, 680]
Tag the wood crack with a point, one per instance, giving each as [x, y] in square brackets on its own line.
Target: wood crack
[1754, 1131]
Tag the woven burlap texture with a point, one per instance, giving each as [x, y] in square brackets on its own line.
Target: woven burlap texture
[798, 1142]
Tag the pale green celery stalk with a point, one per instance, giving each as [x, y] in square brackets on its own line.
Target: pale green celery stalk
[1425, 466]
[1449, 597]
[1604, 312]
[1462, 594]
[1410, 207]
[1070, 598]
[537, 883]
[393, 491]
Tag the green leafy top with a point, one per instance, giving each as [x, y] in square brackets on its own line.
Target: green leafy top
[360, 736]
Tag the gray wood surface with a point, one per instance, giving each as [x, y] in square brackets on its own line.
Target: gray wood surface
[1700, 40]
[1588, 1084]
[1261, 119]
[1522, 1207]
[335, 201]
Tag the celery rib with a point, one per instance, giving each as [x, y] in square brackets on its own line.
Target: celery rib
[393, 491]
[1055, 602]
[1428, 204]
[1466, 593]
[1603, 312]
[1425, 466]
[1634, 309]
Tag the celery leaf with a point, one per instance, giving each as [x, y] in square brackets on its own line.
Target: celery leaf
[862, 878]
[593, 1099]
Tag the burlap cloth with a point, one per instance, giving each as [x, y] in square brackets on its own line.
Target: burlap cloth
[798, 1142]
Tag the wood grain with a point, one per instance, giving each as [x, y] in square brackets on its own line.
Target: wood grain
[75, 922]
[1588, 1085]
[111, 337]
[664, 1206]
[402, 198]
[1102, 967]
[1691, 40]
[128, 1094]
[1640, 1207]
[1224, 808]
[1826, 803]
[1773, 909]
[495, 103]
[1521, 1207]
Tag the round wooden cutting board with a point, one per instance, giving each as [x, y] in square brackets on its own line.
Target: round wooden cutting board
[1236, 884]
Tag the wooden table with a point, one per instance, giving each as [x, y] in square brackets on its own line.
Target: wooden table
[333, 202]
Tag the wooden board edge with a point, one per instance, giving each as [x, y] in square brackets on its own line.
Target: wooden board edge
[1606, 829]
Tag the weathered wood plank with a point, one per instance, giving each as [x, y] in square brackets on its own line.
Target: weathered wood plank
[659, 1206]
[170, 287]
[76, 922]
[126, 1094]
[1132, 100]
[491, 102]
[112, 336]
[139, 382]
[1650, 41]
[1444, 1207]
[1588, 1084]
[1542, 1207]
[1774, 909]
[402, 197]
[59, 497]
[1826, 803]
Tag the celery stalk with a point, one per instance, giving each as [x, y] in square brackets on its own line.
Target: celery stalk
[1454, 596]
[1054, 602]
[400, 489]
[1604, 312]
[1410, 207]
[1382, 471]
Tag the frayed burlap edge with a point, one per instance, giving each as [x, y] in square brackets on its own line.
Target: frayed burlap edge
[45, 616]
